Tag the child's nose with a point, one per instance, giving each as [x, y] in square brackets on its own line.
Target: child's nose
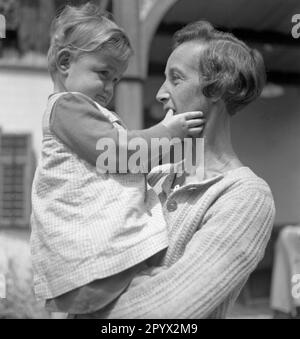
[109, 88]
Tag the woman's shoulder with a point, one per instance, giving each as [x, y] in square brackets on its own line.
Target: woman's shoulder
[245, 187]
[246, 179]
[241, 190]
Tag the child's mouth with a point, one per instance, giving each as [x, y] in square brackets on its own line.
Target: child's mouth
[101, 100]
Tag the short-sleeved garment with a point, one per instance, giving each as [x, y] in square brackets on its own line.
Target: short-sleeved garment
[86, 225]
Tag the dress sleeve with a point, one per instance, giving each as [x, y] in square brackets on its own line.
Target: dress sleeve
[80, 125]
[216, 262]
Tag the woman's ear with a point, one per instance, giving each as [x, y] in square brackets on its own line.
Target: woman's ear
[63, 61]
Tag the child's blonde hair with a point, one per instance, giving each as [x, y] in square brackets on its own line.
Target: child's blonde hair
[86, 29]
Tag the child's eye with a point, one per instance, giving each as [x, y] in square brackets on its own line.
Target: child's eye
[103, 74]
[116, 80]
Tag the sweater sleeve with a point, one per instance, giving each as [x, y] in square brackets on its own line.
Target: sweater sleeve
[80, 125]
[216, 262]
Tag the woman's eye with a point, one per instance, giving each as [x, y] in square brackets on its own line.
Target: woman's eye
[175, 78]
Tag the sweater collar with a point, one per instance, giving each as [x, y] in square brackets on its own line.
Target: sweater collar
[171, 171]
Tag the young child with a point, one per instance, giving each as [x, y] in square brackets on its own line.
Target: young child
[91, 232]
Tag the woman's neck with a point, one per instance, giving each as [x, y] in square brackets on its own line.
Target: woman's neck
[217, 155]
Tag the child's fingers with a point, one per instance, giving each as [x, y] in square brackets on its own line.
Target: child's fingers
[195, 123]
[169, 114]
[193, 115]
[194, 132]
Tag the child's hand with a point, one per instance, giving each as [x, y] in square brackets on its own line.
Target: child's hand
[188, 124]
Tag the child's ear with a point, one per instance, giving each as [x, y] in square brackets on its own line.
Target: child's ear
[216, 99]
[63, 60]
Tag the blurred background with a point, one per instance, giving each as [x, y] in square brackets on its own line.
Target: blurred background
[265, 135]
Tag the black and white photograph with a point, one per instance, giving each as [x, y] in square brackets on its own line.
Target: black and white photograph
[149, 161]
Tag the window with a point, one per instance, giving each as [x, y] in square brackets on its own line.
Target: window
[16, 173]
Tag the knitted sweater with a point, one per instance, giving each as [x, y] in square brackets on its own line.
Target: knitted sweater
[218, 232]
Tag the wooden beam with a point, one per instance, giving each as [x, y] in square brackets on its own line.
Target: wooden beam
[248, 35]
[126, 14]
[149, 25]
[129, 92]
[103, 4]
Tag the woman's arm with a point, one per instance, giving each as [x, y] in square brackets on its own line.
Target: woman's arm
[216, 262]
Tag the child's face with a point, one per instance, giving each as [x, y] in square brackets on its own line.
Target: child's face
[95, 75]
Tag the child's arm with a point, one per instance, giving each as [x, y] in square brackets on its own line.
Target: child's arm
[79, 124]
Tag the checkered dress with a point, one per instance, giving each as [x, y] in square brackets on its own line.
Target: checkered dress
[86, 225]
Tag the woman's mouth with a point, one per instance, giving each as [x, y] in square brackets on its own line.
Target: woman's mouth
[167, 109]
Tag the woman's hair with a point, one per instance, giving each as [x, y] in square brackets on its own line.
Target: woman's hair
[228, 67]
[86, 29]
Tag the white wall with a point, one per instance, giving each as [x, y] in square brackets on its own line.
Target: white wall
[266, 135]
[23, 98]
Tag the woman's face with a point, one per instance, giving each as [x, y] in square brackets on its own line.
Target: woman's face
[181, 90]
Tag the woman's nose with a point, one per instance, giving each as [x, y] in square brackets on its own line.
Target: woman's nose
[162, 95]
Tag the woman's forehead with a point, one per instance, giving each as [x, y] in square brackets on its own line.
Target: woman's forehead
[186, 55]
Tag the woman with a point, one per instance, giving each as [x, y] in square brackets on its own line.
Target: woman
[219, 221]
